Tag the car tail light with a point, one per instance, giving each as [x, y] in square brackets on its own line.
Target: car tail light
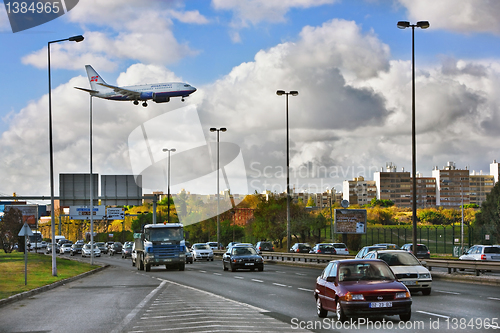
[483, 256]
[334, 251]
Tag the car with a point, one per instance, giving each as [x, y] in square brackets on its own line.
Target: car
[323, 248]
[407, 268]
[242, 257]
[367, 249]
[341, 248]
[87, 250]
[188, 244]
[115, 248]
[482, 252]
[48, 249]
[133, 255]
[301, 248]
[422, 250]
[201, 251]
[189, 256]
[389, 246]
[232, 244]
[102, 246]
[264, 246]
[65, 248]
[361, 288]
[76, 249]
[213, 246]
[127, 251]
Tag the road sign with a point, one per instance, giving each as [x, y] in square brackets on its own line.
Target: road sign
[83, 212]
[25, 231]
[115, 214]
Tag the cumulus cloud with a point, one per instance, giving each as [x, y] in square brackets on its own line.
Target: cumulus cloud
[466, 16]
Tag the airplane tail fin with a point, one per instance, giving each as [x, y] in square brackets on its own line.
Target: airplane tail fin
[94, 78]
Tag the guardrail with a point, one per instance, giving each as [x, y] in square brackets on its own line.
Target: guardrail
[451, 264]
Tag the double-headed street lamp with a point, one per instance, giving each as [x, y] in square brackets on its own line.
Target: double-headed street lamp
[222, 129]
[422, 25]
[288, 238]
[168, 181]
[78, 38]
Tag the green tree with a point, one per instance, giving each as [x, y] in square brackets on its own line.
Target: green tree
[489, 217]
[10, 225]
[311, 202]
[382, 203]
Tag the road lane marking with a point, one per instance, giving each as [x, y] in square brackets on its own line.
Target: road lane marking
[239, 277]
[202, 271]
[494, 298]
[255, 280]
[304, 289]
[447, 292]
[301, 274]
[138, 308]
[217, 274]
[433, 314]
[279, 284]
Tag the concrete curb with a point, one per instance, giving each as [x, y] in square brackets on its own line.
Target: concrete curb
[29, 293]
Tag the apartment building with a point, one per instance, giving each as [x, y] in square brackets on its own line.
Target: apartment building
[359, 191]
[452, 186]
[480, 185]
[393, 185]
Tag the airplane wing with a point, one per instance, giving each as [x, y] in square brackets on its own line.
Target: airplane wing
[129, 93]
[87, 90]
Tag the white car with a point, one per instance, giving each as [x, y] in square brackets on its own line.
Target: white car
[482, 252]
[65, 248]
[341, 248]
[87, 250]
[202, 251]
[407, 268]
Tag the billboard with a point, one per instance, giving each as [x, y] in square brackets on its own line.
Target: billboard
[350, 221]
[121, 190]
[74, 189]
[30, 213]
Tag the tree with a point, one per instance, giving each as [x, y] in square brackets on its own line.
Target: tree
[10, 225]
[383, 202]
[310, 202]
[489, 216]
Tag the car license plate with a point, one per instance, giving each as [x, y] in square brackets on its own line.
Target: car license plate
[249, 264]
[410, 283]
[168, 260]
[381, 305]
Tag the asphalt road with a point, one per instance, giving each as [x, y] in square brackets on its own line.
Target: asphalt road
[205, 298]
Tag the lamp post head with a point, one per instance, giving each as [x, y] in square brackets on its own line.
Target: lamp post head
[280, 92]
[403, 24]
[77, 39]
[223, 129]
[213, 129]
[294, 93]
[166, 149]
[423, 24]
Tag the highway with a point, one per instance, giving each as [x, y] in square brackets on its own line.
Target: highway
[280, 299]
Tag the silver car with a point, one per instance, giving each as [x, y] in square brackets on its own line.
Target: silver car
[482, 252]
[87, 250]
[202, 251]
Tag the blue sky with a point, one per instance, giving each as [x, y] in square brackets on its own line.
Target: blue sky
[349, 61]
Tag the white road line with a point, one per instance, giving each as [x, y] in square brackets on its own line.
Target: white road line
[217, 274]
[433, 314]
[202, 271]
[304, 289]
[447, 292]
[280, 285]
[302, 274]
[494, 298]
[239, 277]
[255, 280]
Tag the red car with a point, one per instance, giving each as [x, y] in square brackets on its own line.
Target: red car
[361, 288]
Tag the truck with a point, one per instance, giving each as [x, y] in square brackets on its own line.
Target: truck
[160, 244]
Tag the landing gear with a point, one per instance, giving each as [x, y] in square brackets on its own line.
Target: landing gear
[145, 104]
[136, 102]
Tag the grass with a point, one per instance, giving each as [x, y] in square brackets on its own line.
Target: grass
[39, 271]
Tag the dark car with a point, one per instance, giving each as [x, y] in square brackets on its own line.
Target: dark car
[102, 247]
[189, 256]
[422, 250]
[361, 288]
[76, 249]
[301, 248]
[242, 257]
[127, 251]
[115, 248]
[264, 246]
[323, 248]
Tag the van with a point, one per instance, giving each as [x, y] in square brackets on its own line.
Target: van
[59, 237]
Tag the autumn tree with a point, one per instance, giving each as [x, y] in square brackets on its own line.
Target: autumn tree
[10, 225]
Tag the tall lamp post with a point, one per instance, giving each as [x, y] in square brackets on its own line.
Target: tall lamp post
[78, 38]
[288, 237]
[422, 25]
[222, 129]
[168, 181]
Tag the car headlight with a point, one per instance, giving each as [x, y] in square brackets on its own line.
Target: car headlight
[404, 294]
[354, 297]
[424, 276]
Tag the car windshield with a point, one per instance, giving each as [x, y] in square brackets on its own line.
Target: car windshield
[339, 246]
[399, 259]
[243, 251]
[87, 247]
[201, 246]
[365, 271]
[325, 246]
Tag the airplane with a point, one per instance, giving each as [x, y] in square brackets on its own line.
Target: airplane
[158, 92]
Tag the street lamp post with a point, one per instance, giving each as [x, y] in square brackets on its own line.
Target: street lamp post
[422, 25]
[222, 129]
[288, 238]
[168, 181]
[78, 38]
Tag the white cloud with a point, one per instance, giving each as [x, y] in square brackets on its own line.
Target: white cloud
[464, 16]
